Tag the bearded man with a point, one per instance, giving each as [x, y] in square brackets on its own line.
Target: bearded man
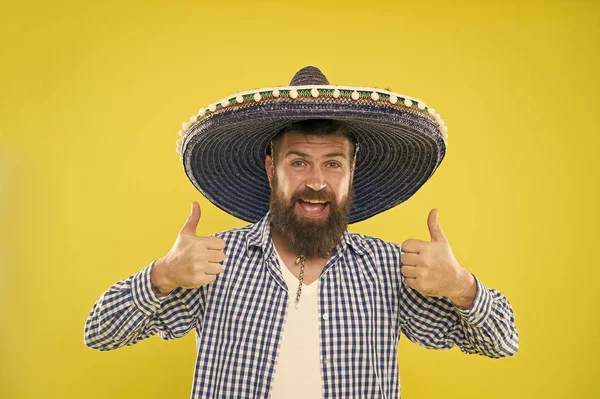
[293, 305]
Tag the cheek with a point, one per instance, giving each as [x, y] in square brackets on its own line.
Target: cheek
[342, 187]
[283, 185]
[343, 190]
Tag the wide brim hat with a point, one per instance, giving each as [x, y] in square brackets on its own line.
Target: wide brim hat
[401, 140]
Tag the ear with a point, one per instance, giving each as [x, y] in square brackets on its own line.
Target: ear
[270, 168]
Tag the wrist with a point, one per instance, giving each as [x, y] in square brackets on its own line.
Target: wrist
[161, 285]
[467, 290]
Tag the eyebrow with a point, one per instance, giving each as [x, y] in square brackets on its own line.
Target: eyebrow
[305, 155]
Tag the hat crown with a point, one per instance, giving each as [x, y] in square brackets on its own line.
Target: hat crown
[309, 75]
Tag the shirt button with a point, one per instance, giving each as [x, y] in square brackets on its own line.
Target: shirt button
[325, 316]
[325, 361]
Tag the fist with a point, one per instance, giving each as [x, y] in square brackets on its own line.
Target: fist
[430, 266]
[192, 261]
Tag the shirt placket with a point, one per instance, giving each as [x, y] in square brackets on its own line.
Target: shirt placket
[274, 272]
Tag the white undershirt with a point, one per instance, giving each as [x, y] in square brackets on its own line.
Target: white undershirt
[298, 367]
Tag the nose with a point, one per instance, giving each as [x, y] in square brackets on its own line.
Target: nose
[316, 180]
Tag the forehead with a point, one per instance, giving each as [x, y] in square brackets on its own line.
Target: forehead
[314, 142]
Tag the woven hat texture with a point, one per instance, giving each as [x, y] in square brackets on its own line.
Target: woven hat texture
[402, 142]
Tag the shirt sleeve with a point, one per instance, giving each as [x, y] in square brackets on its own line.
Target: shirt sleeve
[129, 312]
[486, 328]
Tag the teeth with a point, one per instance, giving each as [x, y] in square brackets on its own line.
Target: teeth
[315, 201]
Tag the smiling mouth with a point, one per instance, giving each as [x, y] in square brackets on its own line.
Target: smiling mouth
[313, 208]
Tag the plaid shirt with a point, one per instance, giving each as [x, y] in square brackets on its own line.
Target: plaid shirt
[364, 305]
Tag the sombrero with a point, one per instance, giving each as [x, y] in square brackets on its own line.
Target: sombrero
[402, 142]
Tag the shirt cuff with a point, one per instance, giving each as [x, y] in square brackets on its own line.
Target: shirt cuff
[142, 293]
[481, 307]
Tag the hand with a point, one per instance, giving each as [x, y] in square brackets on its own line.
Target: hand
[432, 269]
[193, 261]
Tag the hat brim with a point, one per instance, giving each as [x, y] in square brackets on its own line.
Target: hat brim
[224, 152]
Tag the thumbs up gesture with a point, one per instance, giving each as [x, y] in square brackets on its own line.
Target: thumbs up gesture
[192, 261]
[431, 268]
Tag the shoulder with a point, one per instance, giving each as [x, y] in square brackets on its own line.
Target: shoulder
[374, 246]
[235, 233]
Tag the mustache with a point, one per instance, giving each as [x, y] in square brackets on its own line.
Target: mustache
[310, 194]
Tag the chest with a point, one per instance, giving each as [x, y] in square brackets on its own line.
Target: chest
[311, 271]
[240, 338]
[248, 302]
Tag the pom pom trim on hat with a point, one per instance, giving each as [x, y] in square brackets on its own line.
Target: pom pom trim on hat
[314, 92]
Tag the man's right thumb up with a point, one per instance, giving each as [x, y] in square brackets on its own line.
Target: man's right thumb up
[192, 221]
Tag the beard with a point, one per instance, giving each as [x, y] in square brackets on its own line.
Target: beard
[303, 235]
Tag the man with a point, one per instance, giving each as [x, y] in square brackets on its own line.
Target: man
[293, 305]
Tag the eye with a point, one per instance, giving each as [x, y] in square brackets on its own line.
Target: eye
[333, 164]
[298, 163]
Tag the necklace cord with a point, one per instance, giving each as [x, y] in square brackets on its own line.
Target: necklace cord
[301, 260]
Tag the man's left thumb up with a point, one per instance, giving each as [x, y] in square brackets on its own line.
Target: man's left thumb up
[437, 235]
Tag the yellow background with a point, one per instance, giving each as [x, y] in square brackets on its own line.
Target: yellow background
[91, 189]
